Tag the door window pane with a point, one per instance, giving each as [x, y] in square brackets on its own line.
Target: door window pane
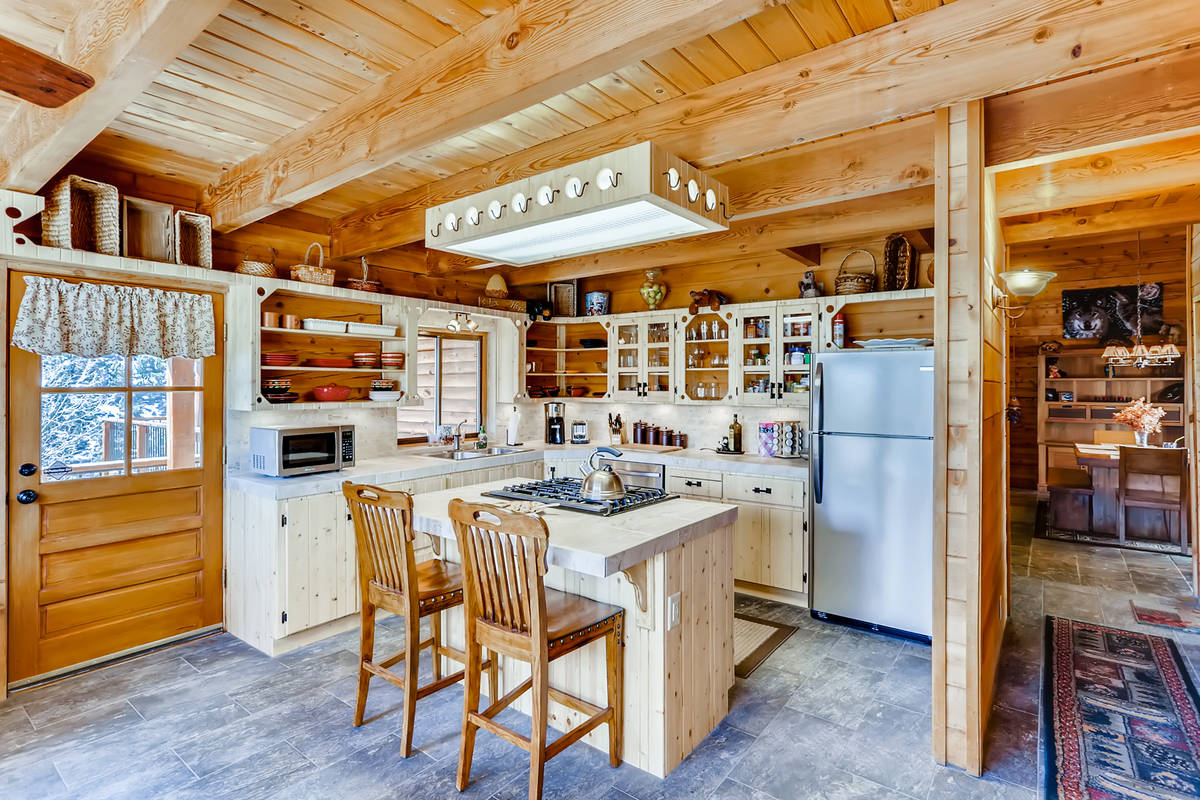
[166, 431]
[82, 435]
[461, 396]
[154, 371]
[76, 372]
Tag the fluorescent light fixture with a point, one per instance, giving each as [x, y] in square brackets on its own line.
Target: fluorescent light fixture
[636, 195]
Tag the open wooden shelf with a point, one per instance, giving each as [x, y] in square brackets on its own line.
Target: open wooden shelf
[331, 334]
[359, 370]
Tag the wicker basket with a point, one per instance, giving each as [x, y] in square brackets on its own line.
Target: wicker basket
[82, 215]
[364, 284]
[855, 282]
[900, 263]
[193, 239]
[307, 273]
[259, 269]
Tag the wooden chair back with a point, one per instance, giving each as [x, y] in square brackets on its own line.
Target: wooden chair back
[504, 564]
[383, 534]
[1159, 462]
[1113, 437]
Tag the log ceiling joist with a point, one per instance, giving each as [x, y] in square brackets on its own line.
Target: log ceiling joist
[1069, 226]
[520, 56]
[1156, 98]
[911, 208]
[1122, 174]
[123, 45]
[900, 70]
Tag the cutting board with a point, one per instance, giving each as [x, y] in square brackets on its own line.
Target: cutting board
[648, 448]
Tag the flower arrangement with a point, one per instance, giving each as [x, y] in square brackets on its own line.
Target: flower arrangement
[1143, 417]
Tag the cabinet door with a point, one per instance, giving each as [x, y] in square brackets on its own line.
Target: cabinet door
[318, 561]
[703, 357]
[626, 360]
[786, 561]
[748, 545]
[658, 374]
[796, 334]
[755, 355]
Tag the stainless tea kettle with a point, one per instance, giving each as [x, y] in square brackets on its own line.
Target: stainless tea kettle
[601, 483]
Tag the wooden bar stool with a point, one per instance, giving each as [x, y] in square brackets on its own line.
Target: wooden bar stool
[390, 578]
[509, 610]
[1155, 463]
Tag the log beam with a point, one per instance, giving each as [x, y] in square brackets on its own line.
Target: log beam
[1123, 174]
[516, 58]
[123, 45]
[1068, 226]
[911, 208]
[900, 70]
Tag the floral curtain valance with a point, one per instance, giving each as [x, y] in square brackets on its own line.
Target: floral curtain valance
[94, 319]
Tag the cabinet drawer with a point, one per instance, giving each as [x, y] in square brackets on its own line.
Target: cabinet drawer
[1058, 411]
[762, 489]
[694, 486]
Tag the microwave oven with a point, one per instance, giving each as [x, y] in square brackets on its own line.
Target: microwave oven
[284, 451]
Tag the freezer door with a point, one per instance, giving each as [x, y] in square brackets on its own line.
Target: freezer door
[872, 557]
[888, 393]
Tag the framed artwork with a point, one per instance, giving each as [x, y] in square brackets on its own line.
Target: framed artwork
[1112, 312]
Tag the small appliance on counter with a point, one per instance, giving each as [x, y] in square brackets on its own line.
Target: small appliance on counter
[282, 451]
[556, 427]
[579, 432]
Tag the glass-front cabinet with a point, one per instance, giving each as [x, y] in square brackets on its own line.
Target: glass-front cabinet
[703, 357]
[797, 329]
[641, 359]
[773, 353]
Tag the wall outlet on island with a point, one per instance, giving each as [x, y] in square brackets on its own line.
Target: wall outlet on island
[673, 611]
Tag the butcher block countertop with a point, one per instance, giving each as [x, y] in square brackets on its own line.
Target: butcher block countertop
[592, 544]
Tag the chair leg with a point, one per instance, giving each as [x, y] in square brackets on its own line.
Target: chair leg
[614, 650]
[466, 744]
[412, 662]
[435, 625]
[540, 693]
[366, 653]
[1121, 528]
[493, 677]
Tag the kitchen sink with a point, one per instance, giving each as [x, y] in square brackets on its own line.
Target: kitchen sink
[463, 455]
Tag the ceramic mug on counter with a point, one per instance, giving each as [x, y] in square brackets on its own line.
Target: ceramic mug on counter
[270, 319]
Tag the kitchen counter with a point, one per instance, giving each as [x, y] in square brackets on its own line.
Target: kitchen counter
[407, 465]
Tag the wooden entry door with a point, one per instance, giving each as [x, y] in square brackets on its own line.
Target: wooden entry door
[114, 502]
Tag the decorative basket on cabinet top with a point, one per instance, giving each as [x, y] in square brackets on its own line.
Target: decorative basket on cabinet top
[308, 273]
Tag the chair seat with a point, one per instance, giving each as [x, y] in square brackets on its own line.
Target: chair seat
[1069, 480]
[440, 583]
[569, 614]
[1148, 498]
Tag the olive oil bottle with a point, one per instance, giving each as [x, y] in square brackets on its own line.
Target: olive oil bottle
[735, 435]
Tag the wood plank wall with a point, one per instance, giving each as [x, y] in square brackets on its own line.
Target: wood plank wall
[1193, 388]
[1110, 261]
[970, 512]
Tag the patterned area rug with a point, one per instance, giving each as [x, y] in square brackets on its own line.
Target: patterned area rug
[1042, 529]
[1120, 714]
[755, 638]
[1183, 616]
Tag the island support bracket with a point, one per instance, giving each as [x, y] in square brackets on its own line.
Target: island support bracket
[636, 575]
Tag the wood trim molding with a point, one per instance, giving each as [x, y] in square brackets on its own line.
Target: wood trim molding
[1067, 226]
[520, 56]
[900, 70]
[123, 45]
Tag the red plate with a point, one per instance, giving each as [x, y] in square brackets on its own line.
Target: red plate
[334, 363]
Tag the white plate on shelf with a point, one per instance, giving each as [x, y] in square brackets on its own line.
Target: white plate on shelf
[384, 397]
[892, 344]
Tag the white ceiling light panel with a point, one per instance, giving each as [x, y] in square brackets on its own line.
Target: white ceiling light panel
[636, 195]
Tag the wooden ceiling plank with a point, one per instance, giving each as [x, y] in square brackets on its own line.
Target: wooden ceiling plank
[115, 148]
[516, 58]
[550, 120]
[822, 21]
[331, 29]
[1065, 226]
[379, 32]
[207, 107]
[452, 13]
[485, 136]
[572, 109]
[413, 19]
[187, 118]
[625, 93]
[146, 131]
[1115, 175]
[866, 15]
[38, 23]
[123, 45]
[185, 134]
[216, 70]
[251, 66]
[742, 44]
[597, 101]
[912, 208]
[647, 80]
[707, 56]
[190, 80]
[780, 32]
[1145, 100]
[903, 9]
[679, 71]
[897, 71]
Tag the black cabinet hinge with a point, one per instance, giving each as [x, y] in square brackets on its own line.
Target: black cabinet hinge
[224, 577]
[283, 520]
[283, 617]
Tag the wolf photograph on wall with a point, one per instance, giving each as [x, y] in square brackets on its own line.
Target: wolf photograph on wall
[1112, 312]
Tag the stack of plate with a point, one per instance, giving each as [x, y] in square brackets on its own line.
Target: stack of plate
[281, 397]
[384, 397]
[392, 360]
[367, 359]
[330, 362]
[279, 359]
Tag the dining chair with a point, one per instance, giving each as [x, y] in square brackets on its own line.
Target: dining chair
[1071, 496]
[510, 611]
[1171, 496]
[390, 578]
[1101, 436]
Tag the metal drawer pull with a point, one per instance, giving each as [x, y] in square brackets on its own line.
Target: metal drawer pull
[760, 490]
[692, 483]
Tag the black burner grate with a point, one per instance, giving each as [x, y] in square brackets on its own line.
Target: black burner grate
[565, 492]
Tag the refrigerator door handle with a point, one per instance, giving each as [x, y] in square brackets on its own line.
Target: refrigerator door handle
[818, 424]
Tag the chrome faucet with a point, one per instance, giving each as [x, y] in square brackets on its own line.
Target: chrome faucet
[458, 435]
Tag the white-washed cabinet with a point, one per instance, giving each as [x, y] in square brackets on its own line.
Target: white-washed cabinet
[772, 353]
[641, 357]
[704, 359]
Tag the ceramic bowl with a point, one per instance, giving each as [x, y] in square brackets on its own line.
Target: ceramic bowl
[331, 394]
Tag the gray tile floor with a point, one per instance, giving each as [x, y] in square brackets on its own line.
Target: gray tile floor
[832, 713]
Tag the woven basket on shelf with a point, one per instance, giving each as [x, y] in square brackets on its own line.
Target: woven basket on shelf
[82, 215]
[900, 263]
[855, 282]
[193, 239]
[364, 284]
[307, 273]
[259, 269]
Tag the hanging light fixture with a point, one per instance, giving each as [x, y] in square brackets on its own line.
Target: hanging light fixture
[461, 320]
[1141, 356]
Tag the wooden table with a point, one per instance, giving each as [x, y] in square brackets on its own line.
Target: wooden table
[1103, 461]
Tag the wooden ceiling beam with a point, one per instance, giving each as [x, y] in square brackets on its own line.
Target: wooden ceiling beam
[123, 45]
[911, 208]
[908, 68]
[1153, 99]
[1123, 174]
[1069, 226]
[516, 58]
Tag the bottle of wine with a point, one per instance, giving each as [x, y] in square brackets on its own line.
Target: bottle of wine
[735, 435]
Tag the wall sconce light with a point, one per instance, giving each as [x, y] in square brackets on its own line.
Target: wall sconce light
[1022, 285]
[461, 321]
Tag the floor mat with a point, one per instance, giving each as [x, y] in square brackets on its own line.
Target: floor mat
[754, 639]
[1182, 616]
[1120, 715]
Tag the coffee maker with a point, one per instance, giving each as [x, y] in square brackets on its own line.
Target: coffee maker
[556, 426]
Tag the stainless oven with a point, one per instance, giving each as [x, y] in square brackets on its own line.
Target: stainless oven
[282, 451]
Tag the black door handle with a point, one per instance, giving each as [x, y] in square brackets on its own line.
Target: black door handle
[26, 496]
[27, 469]
[691, 483]
[760, 490]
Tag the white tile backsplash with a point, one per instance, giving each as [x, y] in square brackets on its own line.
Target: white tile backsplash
[374, 429]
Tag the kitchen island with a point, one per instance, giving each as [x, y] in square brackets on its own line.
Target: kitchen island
[677, 554]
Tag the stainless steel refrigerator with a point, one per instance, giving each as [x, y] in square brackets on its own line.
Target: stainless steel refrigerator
[872, 490]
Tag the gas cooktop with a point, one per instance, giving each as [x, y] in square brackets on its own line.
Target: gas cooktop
[565, 493]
